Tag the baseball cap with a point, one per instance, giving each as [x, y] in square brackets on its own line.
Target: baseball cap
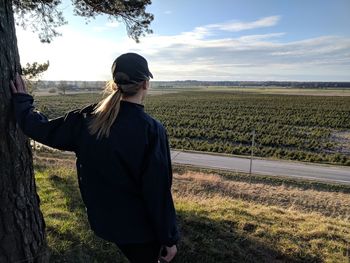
[130, 68]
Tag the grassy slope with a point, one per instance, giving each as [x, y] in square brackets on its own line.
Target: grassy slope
[221, 219]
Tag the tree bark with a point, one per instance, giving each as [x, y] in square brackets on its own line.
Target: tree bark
[22, 227]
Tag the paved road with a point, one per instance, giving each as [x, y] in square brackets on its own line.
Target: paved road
[337, 174]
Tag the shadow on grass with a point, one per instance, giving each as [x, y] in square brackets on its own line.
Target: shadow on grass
[203, 240]
[77, 243]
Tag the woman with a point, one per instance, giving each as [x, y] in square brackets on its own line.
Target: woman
[123, 161]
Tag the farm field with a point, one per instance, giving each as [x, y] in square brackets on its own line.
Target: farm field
[292, 127]
[222, 218]
[282, 91]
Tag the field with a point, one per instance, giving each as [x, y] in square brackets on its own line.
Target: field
[294, 127]
[222, 218]
[282, 91]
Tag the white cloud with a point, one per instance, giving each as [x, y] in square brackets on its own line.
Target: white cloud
[99, 28]
[256, 38]
[108, 26]
[192, 55]
[249, 57]
[73, 56]
[234, 26]
[168, 12]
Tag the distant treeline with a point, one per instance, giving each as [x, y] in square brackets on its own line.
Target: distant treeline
[91, 85]
[286, 84]
[70, 85]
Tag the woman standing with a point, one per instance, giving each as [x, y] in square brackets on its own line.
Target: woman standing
[123, 161]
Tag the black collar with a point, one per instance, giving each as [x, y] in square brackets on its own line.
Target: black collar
[132, 104]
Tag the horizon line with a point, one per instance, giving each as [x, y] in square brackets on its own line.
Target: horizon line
[193, 80]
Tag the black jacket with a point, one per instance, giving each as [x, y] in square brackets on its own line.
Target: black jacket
[125, 180]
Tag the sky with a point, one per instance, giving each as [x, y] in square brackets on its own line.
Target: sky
[234, 40]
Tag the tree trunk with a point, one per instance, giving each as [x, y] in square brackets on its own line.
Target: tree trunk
[22, 227]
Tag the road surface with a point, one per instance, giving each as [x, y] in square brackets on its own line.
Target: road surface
[335, 174]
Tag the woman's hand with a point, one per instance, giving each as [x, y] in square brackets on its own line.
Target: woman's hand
[170, 253]
[19, 86]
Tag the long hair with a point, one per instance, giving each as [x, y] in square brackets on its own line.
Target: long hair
[106, 111]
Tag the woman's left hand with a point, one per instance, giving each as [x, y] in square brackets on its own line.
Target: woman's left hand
[19, 86]
[170, 254]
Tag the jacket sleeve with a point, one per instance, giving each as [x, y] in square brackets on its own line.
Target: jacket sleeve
[58, 133]
[156, 187]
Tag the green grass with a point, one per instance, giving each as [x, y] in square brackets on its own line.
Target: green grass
[221, 219]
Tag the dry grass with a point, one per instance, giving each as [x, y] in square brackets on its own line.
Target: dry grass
[335, 204]
[265, 223]
[259, 233]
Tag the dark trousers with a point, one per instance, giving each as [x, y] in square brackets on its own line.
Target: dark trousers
[141, 253]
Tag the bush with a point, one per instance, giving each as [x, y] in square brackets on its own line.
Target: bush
[52, 90]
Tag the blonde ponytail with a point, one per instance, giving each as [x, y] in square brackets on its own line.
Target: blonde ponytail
[106, 111]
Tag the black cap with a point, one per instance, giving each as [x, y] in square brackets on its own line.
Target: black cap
[130, 68]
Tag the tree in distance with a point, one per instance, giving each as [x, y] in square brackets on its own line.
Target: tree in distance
[22, 227]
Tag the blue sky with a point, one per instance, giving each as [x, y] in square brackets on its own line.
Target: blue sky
[208, 40]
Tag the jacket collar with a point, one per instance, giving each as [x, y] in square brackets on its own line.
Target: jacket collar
[124, 103]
